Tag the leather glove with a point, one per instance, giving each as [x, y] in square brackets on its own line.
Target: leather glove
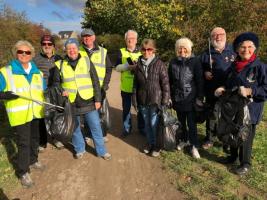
[9, 95]
[245, 92]
[219, 91]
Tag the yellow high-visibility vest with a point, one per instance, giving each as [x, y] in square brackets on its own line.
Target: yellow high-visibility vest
[98, 58]
[127, 76]
[21, 111]
[77, 80]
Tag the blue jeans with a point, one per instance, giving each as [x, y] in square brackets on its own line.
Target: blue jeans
[92, 120]
[151, 120]
[126, 112]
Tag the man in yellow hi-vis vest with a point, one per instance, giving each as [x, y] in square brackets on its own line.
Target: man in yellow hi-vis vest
[98, 56]
[126, 64]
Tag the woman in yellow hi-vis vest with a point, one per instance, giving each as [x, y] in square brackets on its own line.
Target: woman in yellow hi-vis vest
[78, 77]
[22, 77]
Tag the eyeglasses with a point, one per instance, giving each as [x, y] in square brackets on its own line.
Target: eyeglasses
[24, 52]
[47, 44]
[146, 49]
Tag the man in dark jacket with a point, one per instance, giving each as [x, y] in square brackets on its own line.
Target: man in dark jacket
[215, 61]
[45, 61]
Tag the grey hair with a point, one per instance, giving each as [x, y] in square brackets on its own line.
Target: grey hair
[131, 31]
[23, 43]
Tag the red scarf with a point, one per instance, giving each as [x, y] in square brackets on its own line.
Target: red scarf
[240, 64]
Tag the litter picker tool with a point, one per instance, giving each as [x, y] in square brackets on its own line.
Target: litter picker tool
[210, 55]
[40, 102]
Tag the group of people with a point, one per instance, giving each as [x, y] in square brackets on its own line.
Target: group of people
[146, 83]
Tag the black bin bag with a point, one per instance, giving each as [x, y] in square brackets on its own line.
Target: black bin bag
[167, 132]
[60, 124]
[105, 116]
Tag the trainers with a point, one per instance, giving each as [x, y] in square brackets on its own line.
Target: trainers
[26, 180]
[79, 155]
[195, 153]
[106, 139]
[38, 166]
[106, 156]
[58, 144]
[155, 153]
[147, 149]
[207, 145]
[182, 145]
[242, 170]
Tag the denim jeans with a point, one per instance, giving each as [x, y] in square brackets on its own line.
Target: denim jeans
[126, 112]
[187, 119]
[151, 119]
[92, 120]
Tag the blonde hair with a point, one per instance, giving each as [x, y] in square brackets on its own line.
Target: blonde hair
[23, 43]
[186, 43]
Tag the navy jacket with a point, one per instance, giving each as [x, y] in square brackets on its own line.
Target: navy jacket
[220, 64]
[253, 76]
[186, 82]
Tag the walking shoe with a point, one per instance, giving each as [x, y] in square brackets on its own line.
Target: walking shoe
[26, 180]
[79, 155]
[106, 156]
[106, 139]
[38, 166]
[58, 144]
[207, 145]
[147, 149]
[195, 153]
[242, 170]
[155, 153]
[182, 145]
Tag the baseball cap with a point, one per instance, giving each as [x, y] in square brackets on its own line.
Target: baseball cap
[87, 31]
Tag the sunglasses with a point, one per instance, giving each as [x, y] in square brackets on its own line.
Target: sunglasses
[148, 49]
[24, 52]
[47, 44]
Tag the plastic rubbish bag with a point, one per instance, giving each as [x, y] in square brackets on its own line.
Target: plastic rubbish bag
[60, 124]
[105, 116]
[168, 128]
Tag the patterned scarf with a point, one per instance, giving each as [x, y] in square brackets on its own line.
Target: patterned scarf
[240, 64]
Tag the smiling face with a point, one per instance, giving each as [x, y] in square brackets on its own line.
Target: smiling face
[72, 51]
[24, 54]
[218, 38]
[47, 48]
[246, 50]
[182, 52]
[88, 41]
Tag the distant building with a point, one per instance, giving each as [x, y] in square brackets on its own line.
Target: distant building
[64, 35]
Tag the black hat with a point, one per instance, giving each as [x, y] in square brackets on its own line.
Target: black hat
[48, 38]
[244, 37]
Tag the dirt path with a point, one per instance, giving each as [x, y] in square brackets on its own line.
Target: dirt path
[129, 175]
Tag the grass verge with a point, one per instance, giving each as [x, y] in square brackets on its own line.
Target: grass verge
[207, 179]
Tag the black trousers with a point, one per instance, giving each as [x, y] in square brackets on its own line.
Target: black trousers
[211, 101]
[27, 143]
[244, 151]
[43, 133]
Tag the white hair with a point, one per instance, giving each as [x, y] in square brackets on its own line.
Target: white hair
[130, 31]
[184, 42]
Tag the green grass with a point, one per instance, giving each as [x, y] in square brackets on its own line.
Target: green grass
[207, 179]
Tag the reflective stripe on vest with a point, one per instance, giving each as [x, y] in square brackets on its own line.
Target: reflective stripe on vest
[98, 58]
[127, 76]
[77, 80]
[21, 111]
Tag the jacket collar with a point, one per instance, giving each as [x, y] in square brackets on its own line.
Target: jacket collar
[18, 69]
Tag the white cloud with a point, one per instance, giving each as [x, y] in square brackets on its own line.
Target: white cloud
[76, 5]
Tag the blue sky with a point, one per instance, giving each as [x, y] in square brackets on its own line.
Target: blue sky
[57, 15]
